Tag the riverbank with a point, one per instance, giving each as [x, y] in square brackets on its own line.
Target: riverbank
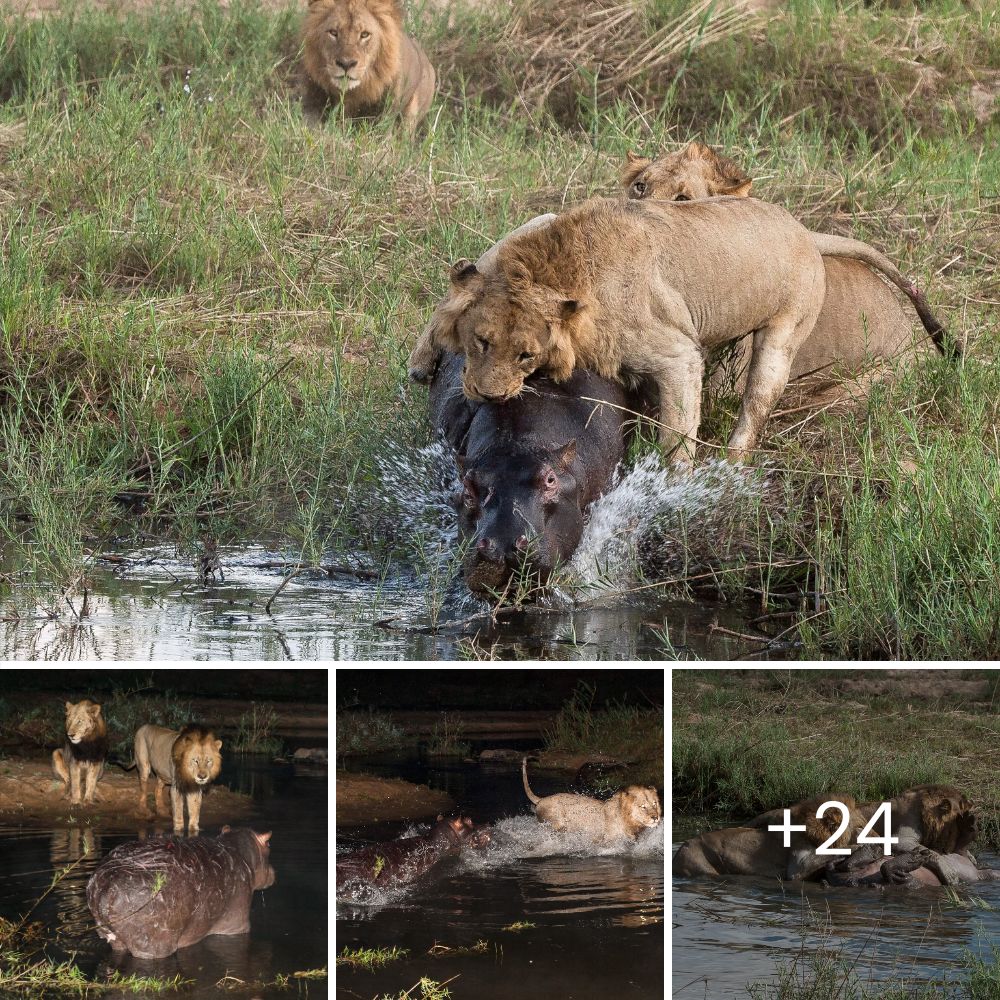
[748, 741]
[365, 798]
[207, 307]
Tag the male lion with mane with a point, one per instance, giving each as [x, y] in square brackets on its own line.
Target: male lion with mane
[356, 54]
[84, 752]
[622, 817]
[861, 321]
[187, 761]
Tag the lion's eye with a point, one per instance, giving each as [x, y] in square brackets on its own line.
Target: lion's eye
[365, 35]
[331, 32]
[639, 187]
[526, 356]
[681, 197]
[483, 345]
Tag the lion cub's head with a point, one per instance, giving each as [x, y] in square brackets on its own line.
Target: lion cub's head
[349, 41]
[697, 171]
[507, 326]
[84, 721]
[197, 761]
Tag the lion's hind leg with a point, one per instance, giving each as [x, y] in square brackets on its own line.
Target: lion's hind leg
[59, 768]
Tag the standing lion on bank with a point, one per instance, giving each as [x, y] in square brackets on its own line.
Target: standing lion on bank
[356, 54]
[85, 750]
[188, 761]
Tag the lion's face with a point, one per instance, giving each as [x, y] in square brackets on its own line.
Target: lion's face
[201, 761]
[640, 806]
[696, 171]
[83, 720]
[347, 35]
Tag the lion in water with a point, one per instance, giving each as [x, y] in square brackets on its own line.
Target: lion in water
[622, 817]
[85, 750]
[356, 53]
[861, 321]
[188, 761]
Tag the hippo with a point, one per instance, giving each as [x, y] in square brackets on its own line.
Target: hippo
[531, 467]
[868, 866]
[151, 897]
[400, 861]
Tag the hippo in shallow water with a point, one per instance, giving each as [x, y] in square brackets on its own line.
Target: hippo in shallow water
[151, 897]
[531, 467]
[400, 861]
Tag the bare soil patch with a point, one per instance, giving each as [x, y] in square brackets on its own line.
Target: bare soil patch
[29, 791]
[364, 798]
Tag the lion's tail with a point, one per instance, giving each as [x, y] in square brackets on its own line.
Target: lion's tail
[840, 246]
[123, 766]
[524, 777]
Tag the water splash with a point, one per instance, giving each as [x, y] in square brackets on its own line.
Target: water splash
[522, 837]
[641, 500]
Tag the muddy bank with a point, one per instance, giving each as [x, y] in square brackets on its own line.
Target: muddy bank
[29, 792]
[364, 798]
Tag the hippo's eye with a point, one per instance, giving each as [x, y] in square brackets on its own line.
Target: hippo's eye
[639, 188]
[681, 197]
[551, 480]
[483, 345]
[525, 356]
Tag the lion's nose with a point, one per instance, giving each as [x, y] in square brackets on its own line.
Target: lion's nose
[346, 64]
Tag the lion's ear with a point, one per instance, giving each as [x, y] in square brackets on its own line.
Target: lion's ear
[697, 151]
[739, 189]
[69, 705]
[568, 308]
[95, 711]
[631, 169]
[463, 273]
[217, 744]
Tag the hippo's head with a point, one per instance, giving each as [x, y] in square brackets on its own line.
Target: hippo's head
[459, 830]
[520, 507]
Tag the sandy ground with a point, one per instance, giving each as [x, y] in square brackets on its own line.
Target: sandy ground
[30, 792]
[363, 798]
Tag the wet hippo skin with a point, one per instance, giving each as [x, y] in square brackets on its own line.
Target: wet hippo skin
[400, 861]
[151, 897]
[530, 467]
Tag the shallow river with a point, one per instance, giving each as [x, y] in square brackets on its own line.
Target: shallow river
[596, 917]
[288, 922]
[729, 933]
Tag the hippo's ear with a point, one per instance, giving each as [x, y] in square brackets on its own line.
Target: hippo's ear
[440, 817]
[567, 453]
[226, 829]
[217, 744]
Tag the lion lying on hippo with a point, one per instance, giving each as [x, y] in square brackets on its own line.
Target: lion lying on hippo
[934, 824]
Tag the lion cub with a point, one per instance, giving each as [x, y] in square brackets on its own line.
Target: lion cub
[622, 817]
[188, 761]
[85, 750]
[356, 54]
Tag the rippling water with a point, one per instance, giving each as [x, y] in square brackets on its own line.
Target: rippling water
[731, 932]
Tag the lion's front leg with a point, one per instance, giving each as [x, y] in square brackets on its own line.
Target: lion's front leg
[678, 372]
[177, 807]
[194, 812]
[425, 357]
[315, 101]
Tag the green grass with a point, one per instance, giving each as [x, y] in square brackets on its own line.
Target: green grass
[370, 958]
[205, 307]
[358, 732]
[445, 740]
[254, 733]
[745, 742]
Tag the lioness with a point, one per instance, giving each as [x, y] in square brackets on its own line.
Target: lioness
[356, 53]
[84, 752]
[745, 850]
[566, 295]
[622, 817]
[187, 761]
[861, 319]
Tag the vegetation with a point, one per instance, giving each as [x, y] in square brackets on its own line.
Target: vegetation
[255, 732]
[370, 958]
[205, 307]
[429, 990]
[358, 732]
[624, 732]
[445, 738]
[747, 741]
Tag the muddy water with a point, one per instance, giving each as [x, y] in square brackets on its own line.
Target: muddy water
[596, 915]
[728, 933]
[287, 921]
[149, 604]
